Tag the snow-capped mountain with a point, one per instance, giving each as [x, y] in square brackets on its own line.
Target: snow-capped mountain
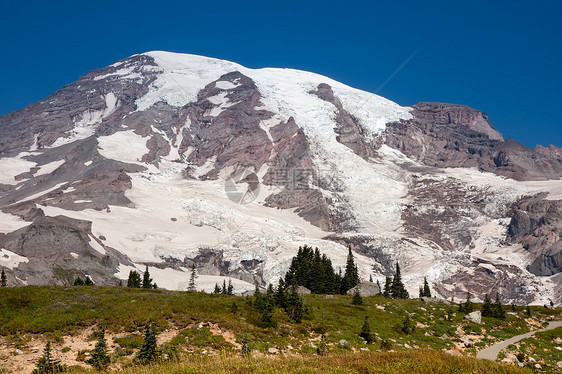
[166, 159]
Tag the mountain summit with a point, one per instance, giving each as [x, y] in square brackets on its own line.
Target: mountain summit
[165, 160]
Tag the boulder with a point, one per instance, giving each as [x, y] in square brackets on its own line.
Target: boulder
[475, 317]
[301, 290]
[365, 289]
[434, 300]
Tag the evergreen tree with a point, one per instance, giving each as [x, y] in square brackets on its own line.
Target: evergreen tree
[3, 280]
[154, 286]
[397, 290]
[47, 364]
[357, 299]
[259, 299]
[100, 358]
[421, 292]
[217, 289]
[366, 331]
[224, 290]
[426, 290]
[146, 280]
[466, 307]
[497, 309]
[387, 287]
[294, 308]
[407, 325]
[281, 294]
[88, 281]
[528, 311]
[487, 307]
[313, 270]
[351, 275]
[267, 312]
[371, 278]
[191, 287]
[230, 288]
[234, 308]
[134, 280]
[322, 347]
[78, 281]
[148, 351]
[379, 287]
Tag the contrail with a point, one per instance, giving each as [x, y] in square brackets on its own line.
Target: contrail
[396, 71]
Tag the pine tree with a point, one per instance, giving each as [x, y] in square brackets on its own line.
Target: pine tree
[486, 310]
[47, 364]
[100, 358]
[281, 294]
[379, 287]
[528, 311]
[148, 351]
[366, 331]
[497, 309]
[217, 289]
[357, 299]
[397, 290]
[294, 308]
[78, 281]
[230, 288]
[234, 308]
[351, 275]
[192, 286]
[134, 280]
[3, 280]
[387, 287]
[426, 290]
[267, 312]
[146, 280]
[259, 299]
[322, 347]
[421, 292]
[88, 281]
[407, 325]
[371, 278]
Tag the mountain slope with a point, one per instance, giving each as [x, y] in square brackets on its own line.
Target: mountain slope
[176, 159]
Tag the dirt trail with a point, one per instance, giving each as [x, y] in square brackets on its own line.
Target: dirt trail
[491, 353]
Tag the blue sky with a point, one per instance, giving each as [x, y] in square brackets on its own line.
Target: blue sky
[502, 57]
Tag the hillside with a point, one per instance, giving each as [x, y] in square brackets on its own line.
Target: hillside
[209, 335]
[167, 160]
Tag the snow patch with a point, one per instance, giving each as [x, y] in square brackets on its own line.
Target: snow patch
[10, 259]
[49, 168]
[10, 223]
[125, 146]
[10, 167]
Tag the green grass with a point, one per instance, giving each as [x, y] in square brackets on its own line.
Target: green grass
[56, 311]
[540, 348]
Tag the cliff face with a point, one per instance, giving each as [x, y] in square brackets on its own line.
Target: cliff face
[167, 160]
